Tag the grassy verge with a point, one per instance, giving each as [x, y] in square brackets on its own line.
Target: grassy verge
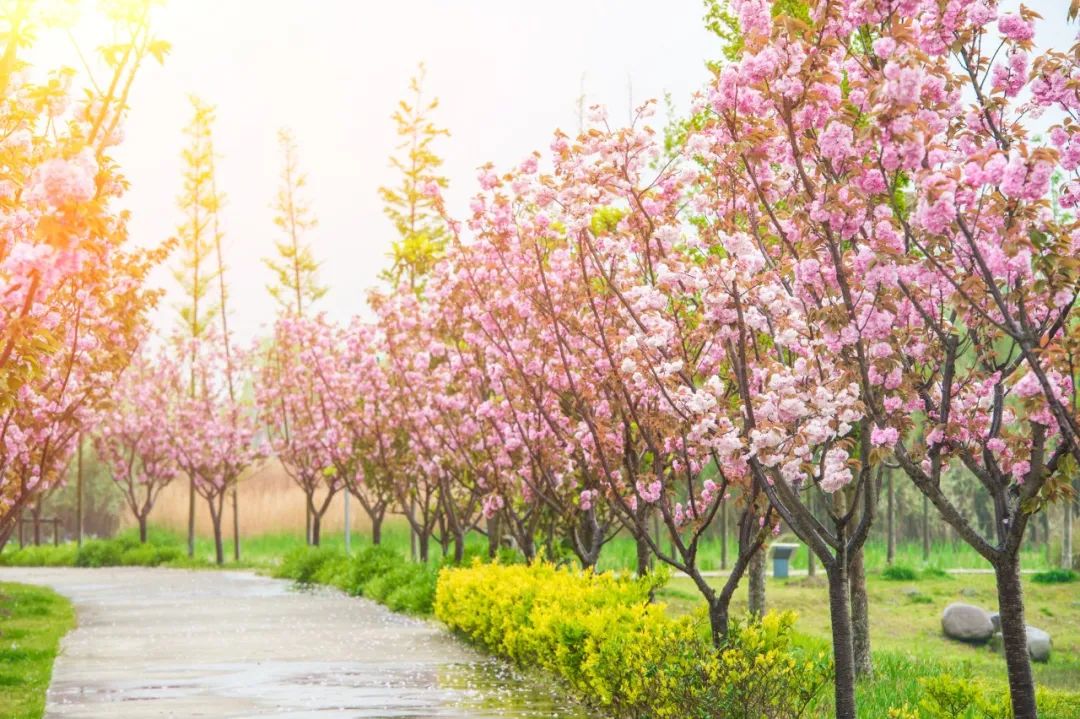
[905, 625]
[32, 621]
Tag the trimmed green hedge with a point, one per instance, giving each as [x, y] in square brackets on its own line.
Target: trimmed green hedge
[377, 573]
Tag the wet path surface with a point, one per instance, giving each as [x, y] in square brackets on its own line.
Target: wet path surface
[174, 643]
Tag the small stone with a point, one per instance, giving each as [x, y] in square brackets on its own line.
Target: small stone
[967, 623]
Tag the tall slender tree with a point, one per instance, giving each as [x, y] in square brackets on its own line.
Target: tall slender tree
[411, 204]
[198, 239]
[296, 285]
[217, 199]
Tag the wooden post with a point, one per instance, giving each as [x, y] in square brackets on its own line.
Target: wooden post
[925, 529]
[79, 495]
[890, 520]
[1066, 535]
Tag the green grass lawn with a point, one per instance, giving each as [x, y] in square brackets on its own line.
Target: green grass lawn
[32, 621]
[905, 626]
[620, 553]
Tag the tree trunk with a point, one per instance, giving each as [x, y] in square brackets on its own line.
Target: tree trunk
[860, 617]
[459, 546]
[307, 521]
[718, 620]
[843, 652]
[444, 541]
[191, 518]
[493, 537]
[1014, 638]
[890, 520]
[142, 529]
[5, 534]
[376, 529]
[413, 534]
[757, 583]
[423, 540]
[1066, 535]
[316, 527]
[811, 563]
[527, 546]
[644, 555]
[219, 547]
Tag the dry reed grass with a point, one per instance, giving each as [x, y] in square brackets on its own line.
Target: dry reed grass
[270, 503]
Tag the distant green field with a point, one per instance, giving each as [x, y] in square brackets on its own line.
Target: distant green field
[619, 553]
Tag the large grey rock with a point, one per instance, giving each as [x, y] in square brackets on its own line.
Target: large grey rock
[1039, 644]
[967, 623]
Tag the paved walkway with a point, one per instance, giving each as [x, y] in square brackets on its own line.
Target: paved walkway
[173, 643]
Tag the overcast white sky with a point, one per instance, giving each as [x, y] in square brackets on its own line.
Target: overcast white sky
[507, 72]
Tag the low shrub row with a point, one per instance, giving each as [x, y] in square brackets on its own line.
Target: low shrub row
[1055, 576]
[902, 572]
[122, 551]
[616, 649]
[377, 573]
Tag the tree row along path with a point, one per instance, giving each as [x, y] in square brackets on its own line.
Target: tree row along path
[173, 643]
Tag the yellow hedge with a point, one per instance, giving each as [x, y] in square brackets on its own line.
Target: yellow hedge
[600, 633]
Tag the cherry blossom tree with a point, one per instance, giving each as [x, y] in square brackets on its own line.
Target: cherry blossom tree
[72, 305]
[420, 469]
[882, 161]
[990, 275]
[295, 411]
[214, 435]
[131, 439]
[353, 391]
